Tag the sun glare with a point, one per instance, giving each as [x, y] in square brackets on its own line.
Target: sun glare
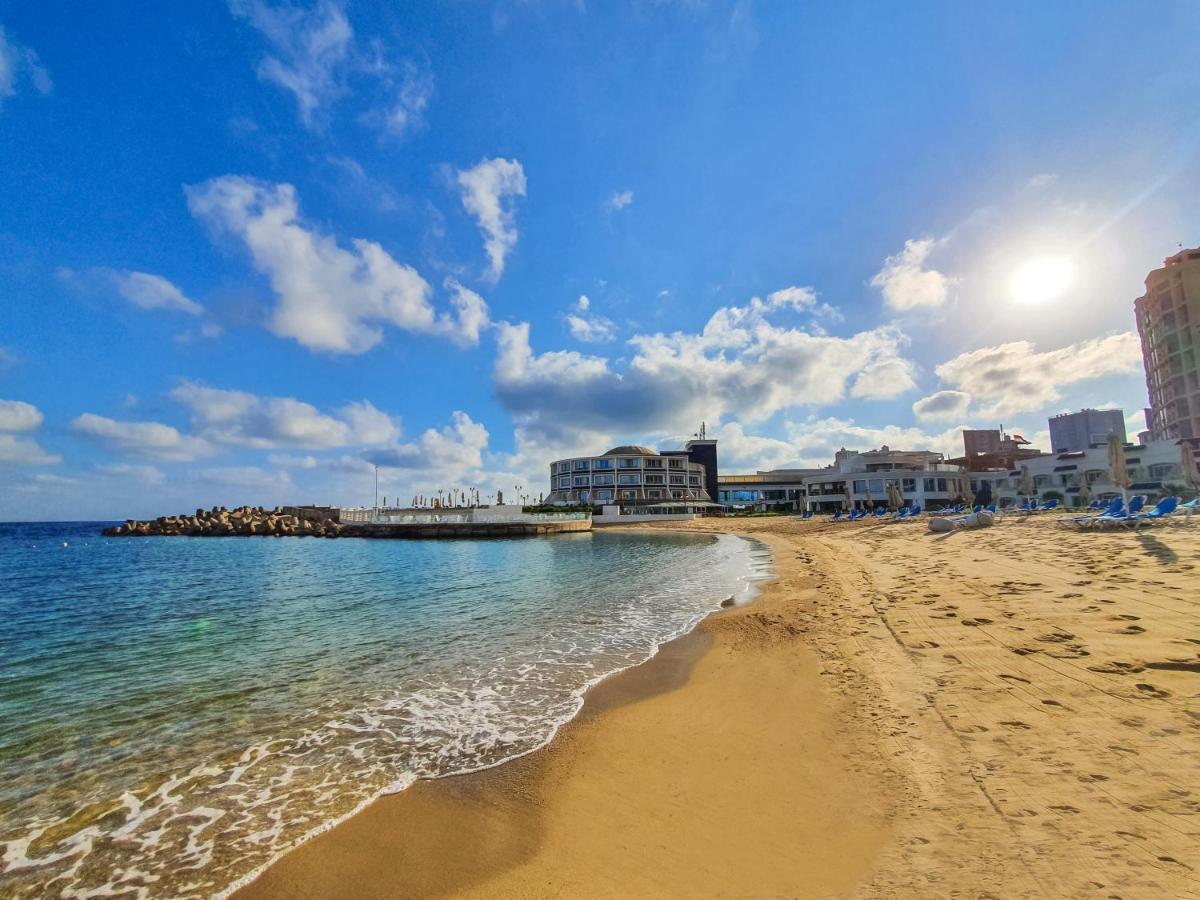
[1041, 279]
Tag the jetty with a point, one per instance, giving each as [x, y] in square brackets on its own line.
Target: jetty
[338, 522]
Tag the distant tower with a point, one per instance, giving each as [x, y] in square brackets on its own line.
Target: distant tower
[702, 450]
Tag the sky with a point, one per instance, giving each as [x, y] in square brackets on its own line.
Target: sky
[256, 252]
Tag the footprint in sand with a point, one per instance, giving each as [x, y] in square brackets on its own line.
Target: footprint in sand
[1056, 637]
[1065, 809]
[1125, 617]
[1117, 667]
[976, 622]
[1149, 690]
[1016, 724]
[1131, 629]
[1016, 678]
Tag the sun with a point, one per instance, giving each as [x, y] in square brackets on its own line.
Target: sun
[1041, 279]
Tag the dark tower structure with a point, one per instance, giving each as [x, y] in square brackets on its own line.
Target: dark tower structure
[704, 451]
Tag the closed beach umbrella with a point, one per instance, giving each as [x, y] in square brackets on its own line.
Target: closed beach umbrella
[1026, 485]
[967, 493]
[1187, 464]
[895, 500]
[1085, 489]
[1116, 466]
[868, 503]
[848, 502]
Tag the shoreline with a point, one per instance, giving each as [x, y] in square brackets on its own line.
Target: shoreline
[445, 801]
[675, 654]
[846, 735]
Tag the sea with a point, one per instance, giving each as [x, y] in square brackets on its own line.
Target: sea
[176, 713]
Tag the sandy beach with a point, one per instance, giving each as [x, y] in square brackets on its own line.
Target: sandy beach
[1009, 712]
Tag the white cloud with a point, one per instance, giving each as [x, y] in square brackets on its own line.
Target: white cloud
[453, 450]
[147, 291]
[583, 303]
[16, 415]
[310, 46]
[748, 452]
[242, 419]
[19, 64]
[488, 193]
[1044, 179]
[741, 365]
[942, 405]
[907, 284]
[1016, 377]
[149, 439]
[620, 200]
[23, 451]
[591, 329]
[328, 298]
[884, 379]
[242, 477]
[405, 110]
[127, 471]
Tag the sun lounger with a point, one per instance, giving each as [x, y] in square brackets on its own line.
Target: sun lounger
[1165, 507]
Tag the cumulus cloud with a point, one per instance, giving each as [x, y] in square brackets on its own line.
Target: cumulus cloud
[16, 415]
[247, 420]
[309, 47]
[884, 379]
[942, 405]
[749, 452]
[1017, 377]
[149, 439]
[489, 191]
[148, 291]
[906, 283]
[24, 451]
[739, 364]
[19, 64]
[328, 297]
[457, 448]
[620, 200]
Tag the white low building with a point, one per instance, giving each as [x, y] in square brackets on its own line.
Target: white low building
[1154, 469]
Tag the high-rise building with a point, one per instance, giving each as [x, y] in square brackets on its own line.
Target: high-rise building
[1071, 432]
[1168, 320]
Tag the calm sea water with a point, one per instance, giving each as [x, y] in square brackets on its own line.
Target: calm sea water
[175, 713]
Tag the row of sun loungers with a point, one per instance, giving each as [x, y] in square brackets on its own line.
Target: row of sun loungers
[1117, 515]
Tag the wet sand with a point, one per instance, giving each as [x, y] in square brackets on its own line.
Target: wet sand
[1008, 712]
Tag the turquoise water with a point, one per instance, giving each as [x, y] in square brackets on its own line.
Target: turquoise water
[175, 712]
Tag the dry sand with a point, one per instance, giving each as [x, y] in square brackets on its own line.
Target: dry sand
[1009, 712]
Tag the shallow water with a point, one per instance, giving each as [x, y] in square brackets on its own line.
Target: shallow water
[176, 712]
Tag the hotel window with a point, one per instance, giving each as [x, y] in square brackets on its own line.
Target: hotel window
[628, 479]
[602, 479]
[603, 496]
[908, 484]
[1158, 471]
[603, 464]
[678, 479]
[860, 487]
[629, 463]
[675, 463]
[656, 479]
[581, 481]
[941, 485]
[930, 485]
[876, 486]
[581, 464]
[676, 495]
[628, 495]
[652, 463]
[564, 482]
[693, 479]
[654, 494]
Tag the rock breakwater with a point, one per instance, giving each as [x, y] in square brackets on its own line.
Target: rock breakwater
[245, 520]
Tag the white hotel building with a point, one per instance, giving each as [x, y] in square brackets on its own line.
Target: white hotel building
[629, 475]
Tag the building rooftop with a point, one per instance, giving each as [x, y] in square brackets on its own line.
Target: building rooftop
[631, 450]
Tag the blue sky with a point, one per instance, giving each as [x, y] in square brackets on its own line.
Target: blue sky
[250, 250]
